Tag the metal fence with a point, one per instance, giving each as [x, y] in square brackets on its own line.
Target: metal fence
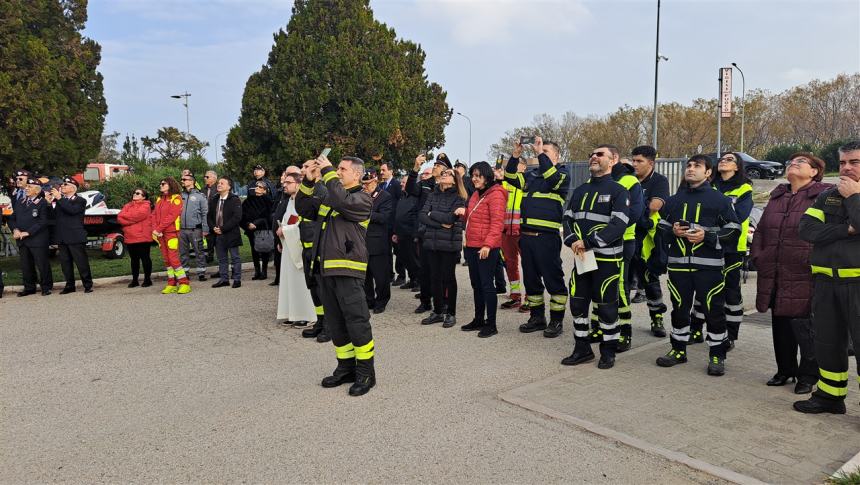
[672, 168]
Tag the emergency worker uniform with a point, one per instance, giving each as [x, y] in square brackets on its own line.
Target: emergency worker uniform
[339, 255]
[308, 229]
[697, 269]
[541, 209]
[654, 186]
[511, 243]
[835, 261]
[598, 215]
[166, 220]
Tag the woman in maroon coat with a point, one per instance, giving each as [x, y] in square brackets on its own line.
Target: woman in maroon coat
[784, 276]
[484, 217]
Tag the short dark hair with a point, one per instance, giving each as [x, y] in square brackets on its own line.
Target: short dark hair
[850, 146]
[295, 176]
[706, 160]
[612, 148]
[554, 145]
[815, 162]
[646, 151]
[484, 170]
[228, 179]
[355, 162]
[387, 164]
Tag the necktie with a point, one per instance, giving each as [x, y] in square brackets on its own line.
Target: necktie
[219, 216]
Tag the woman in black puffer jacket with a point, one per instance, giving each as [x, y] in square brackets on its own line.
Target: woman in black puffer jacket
[257, 216]
[441, 228]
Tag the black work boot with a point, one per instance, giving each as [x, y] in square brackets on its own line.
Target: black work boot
[716, 365]
[323, 336]
[672, 358]
[607, 355]
[365, 377]
[535, 324]
[475, 324]
[554, 329]
[343, 373]
[818, 405]
[315, 330]
[582, 353]
[488, 330]
[657, 329]
[625, 338]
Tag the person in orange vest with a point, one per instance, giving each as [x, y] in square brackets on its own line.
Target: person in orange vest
[165, 230]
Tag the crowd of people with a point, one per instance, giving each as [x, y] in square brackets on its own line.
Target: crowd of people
[342, 237]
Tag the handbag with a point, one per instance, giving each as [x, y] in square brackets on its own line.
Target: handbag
[264, 241]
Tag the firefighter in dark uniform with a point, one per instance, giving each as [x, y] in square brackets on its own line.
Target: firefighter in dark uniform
[29, 224]
[595, 220]
[732, 182]
[308, 229]
[377, 286]
[340, 256]
[71, 236]
[697, 221]
[544, 193]
[655, 191]
[832, 225]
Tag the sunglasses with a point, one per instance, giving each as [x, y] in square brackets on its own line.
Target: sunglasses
[596, 154]
[163, 183]
[186, 179]
[138, 193]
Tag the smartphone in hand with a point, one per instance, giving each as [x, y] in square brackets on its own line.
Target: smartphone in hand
[527, 140]
[325, 152]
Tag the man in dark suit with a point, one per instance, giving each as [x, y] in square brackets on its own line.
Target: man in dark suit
[210, 190]
[377, 283]
[389, 183]
[224, 216]
[71, 235]
[29, 227]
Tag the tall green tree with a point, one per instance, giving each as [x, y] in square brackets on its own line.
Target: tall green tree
[337, 77]
[52, 105]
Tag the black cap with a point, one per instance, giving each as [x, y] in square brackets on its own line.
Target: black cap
[70, 180]
[259, 167]
[22, 173]
[31, 180]
[443, 159]
[369, 176]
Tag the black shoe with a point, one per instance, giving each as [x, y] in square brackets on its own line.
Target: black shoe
[779, 380]
[716, 365]
[220, 284]
[433, 318]
[697, 337]
[802, 388]
[554, 329]
[379, 309]
[88, 290]
[398, 281]
[417, 294]
[535, 324]
[657, 329]
[422, 308]
[46, 292]
[416, 288]
[311, 332]
[257, 276]
[264, 275]
[146, 284]
[729, 344]
[512, 303]
[818, 405]
[26, 292]
[639, 298]
[323, 337]
[274, 283]
[473, 325]
[202, 277]
[672, 358]
[66, 291]
[406, 286]
[624, 343]
[133, 284]
[237, 284]
[300, 324]
[449, 321]
[487, 331]
[362, 386]
[606, 361]
[579, 356]
[338, 378]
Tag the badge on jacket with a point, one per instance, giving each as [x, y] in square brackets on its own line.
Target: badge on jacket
[35, 213]
[603, 198]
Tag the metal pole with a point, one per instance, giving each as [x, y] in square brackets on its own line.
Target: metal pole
[216, 145]
[743, 102]
[719, 114]
[187, 117]
[656, 71]
[470, 136]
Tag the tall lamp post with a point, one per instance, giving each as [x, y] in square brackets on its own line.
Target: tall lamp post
[470, 136]
[185, 95]
[743, 102]
[216, 145]
[657, 59]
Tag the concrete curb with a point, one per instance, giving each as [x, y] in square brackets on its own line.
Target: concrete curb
[850, 466]
[617, 436]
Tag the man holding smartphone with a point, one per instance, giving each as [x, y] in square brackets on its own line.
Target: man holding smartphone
[697, 220]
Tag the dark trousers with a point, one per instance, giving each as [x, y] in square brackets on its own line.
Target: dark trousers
[835, 317]
[424, 276]
[734, 300]
[261, 260]
[501, 284]
[686, 287]
[235, 260]
[625, 316]
[407, 255]
[597, 289]
[399, 264]
[347, 321]
[139, 253]
[443, 283]
[312, 280]
[650, 282]
[77, 254]
[33, 259]
[377, 280]
[789, 335]
[481, 276]
[210, 247]
[541, 259]
[276, 256]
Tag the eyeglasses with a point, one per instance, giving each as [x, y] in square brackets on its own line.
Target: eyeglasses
[728, 159]
[799, 161]
[448, 172]
[596, 154]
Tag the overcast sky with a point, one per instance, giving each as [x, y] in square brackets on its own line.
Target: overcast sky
[501, 61]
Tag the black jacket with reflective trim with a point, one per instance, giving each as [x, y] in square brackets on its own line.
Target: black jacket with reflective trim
[825, 225]
[598, 213]
[708, 209]
[545, 191]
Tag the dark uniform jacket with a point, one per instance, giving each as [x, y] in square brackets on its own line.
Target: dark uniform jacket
[544, 195]
[406, 216]
[626, 176]
[340, 247]
[598, 215]
[421, 189]
[655, 186]
[835, 253]
[232, 214]
[31, 217]
[438, 210]
[709, 210]
[69, 213]
[379, 230]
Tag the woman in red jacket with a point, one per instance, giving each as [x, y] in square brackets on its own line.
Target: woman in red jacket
[784, 276]
[484, 217]
[136, 220]
[165, 230]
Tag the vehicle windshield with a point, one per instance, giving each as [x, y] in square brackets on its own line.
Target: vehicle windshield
[747, 158]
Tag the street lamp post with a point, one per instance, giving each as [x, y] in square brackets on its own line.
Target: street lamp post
[743, 102]
[216, 145]
[470, 136]
[657, 58]
[185, 95]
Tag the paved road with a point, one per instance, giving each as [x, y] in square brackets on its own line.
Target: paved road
[129, 385]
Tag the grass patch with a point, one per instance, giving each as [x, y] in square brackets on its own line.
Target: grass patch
[845, 478]
[100, 266]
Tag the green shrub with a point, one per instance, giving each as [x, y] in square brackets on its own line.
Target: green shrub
[118, 190]
[780, 153]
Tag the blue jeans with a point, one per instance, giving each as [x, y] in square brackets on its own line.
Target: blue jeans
[482, 276]
[235, 261]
